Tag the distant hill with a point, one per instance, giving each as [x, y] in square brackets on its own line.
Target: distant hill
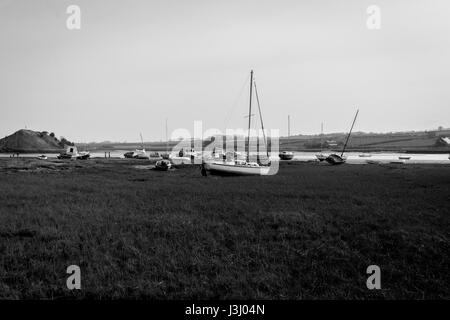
[29, 141]
[418, 141]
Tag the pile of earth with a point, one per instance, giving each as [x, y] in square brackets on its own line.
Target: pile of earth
[29, 141]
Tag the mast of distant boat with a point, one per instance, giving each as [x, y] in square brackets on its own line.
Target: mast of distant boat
[249, 116]
[348, 136]
[142, 141]
[167, 141]
[321, 137]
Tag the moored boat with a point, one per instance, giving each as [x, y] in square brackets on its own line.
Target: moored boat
[286, 155]
[163, 165]
[83, 155]
[241, 167]
[236, 168]
[340, 159]
[336, 159]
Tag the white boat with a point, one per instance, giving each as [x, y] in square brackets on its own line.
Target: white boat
[42, 157]
[180, 160]
[240, 167]
[364, 155]
[138, 153]
[236, 168]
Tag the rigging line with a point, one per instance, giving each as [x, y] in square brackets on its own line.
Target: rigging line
[241, 91]
[260, 116]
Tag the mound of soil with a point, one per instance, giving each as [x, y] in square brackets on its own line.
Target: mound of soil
[30, 141]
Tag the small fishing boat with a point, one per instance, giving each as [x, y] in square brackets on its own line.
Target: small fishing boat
[286, 155]
[72, 153]
[163, 165]
[42, 157]
[340, 159]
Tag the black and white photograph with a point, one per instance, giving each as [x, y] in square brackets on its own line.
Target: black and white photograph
[224, 154]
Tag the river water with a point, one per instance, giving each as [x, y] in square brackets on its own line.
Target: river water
[352, 157]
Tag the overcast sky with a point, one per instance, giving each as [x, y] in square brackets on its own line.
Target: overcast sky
[135, 63]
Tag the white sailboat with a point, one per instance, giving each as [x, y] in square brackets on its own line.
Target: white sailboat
[235, 166]
[138, 153]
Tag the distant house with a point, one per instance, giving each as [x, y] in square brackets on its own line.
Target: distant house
[444, 141]
[331, 143]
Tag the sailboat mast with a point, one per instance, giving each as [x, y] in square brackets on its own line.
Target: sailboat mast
[289, 126]
[249, 116]
[321, 136]
[348, 136]
[167, 141]
[142, 141]
[262, 123]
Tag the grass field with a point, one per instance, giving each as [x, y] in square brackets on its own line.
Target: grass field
[307, 233]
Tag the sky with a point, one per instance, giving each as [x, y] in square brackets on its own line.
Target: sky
[133, 64]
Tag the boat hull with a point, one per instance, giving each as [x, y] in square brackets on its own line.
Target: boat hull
[335, 159]
[286, 156]
[232, 169]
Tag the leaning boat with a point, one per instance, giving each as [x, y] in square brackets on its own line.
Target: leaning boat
[340, 159]
[336, 159]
